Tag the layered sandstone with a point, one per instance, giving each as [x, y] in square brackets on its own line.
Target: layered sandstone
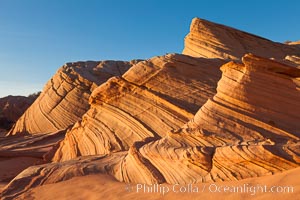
[210, 40]
[64, 98]
[167, 119]
[151, 98]
[240, 132]
[249, 128]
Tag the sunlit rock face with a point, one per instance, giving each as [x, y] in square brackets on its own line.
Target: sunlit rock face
[150, 99]
[249, 128]
[215, 113]
[238, 133]
[64, 98]
[210, 40]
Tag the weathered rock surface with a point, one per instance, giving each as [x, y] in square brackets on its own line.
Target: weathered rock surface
[210, 40]
[64, 98]
[151, 98]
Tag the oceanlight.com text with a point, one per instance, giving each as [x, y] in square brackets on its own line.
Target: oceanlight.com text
[251, 189]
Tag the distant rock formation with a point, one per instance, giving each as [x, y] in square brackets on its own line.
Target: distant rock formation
[12, 107]
[210, 40]
[64, 98]
[150, 99]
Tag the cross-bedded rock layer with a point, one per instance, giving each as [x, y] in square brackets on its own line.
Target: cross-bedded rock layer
[210, 40]
[167, 120]
[151, 98]
[64, 98]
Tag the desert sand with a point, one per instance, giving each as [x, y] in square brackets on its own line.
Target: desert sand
[104, 187]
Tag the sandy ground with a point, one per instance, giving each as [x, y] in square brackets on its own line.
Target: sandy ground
[11, 167]
[104, 187]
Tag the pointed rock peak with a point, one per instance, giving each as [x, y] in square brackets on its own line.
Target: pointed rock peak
[202, 24]
[211, 40]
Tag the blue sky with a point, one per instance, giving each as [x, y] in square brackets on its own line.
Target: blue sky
[39, 36]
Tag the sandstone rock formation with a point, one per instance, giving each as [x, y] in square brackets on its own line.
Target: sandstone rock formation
[239, 133]
[151, 98]
[169, 119]
[65, 97]
[245, 130]
[210, 40]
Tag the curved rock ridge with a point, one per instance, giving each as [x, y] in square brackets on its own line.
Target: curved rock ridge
[249, 128]
[64, 98]
[267, 102]
[210, 40]
[151, 98]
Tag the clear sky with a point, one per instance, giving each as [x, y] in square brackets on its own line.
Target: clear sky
[39, 36]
